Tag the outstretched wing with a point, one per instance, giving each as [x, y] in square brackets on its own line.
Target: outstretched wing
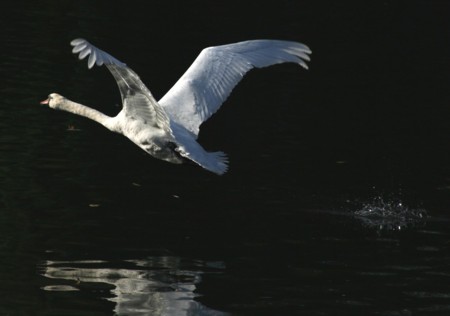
[138, 102]
[217, 70]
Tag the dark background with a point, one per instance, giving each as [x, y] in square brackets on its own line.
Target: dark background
[374, 97]
[367, 122]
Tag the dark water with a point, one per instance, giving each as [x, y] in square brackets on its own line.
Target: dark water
[338, 197]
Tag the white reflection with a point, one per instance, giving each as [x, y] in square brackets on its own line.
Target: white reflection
[156, 286]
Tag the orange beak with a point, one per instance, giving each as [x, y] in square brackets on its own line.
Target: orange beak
[44, 102]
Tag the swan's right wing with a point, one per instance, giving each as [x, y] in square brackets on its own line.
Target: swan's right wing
[208, 82]
[138, 102]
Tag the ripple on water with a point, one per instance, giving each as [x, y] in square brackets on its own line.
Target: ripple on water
[59, 288]
[422, 294]
[389, 215]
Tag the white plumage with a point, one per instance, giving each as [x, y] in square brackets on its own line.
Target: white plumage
[167, 129]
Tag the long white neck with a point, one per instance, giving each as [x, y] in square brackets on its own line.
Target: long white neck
[82, 110]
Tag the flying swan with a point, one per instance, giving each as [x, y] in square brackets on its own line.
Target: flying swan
[167, 129]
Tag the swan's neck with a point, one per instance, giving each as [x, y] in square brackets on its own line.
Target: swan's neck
[82, 110]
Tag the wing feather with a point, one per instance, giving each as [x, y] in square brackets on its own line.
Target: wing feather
[137, 100]
[208, 82]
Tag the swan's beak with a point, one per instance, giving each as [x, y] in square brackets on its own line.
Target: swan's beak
[44, 102]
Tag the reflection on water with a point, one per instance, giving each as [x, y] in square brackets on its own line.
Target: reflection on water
[155, 286]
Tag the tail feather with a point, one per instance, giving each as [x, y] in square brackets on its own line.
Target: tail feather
[218, 162]
[188, 147]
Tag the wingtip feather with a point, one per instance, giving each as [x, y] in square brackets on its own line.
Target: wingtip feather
[77, 41]
[96, 56]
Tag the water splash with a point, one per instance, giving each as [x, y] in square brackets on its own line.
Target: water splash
[389, 214]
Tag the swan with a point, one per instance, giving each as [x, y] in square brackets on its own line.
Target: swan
[167, 129]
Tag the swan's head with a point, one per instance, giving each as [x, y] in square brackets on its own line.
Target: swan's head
[53, 100]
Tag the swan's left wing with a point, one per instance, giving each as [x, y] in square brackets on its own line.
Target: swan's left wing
[217, 70]
[138, 102]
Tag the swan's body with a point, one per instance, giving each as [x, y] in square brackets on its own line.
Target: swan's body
[168, 129]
